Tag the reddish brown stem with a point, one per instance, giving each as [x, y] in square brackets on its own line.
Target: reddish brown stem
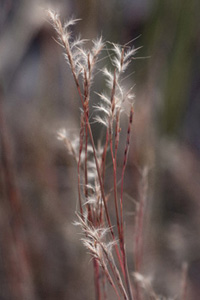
[115, 186]
[79, 163]
[103, 159]
[124, 165]
[121, 205]
[96, 279]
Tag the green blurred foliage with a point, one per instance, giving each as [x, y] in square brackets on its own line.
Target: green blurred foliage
[172, 35]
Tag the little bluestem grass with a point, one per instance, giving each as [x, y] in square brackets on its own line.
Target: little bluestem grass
[105, 244]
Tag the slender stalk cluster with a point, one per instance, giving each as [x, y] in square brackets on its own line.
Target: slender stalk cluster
[102, 237]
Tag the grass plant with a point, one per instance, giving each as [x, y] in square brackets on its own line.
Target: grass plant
[103, 235]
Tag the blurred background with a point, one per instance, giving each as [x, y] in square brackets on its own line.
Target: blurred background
[41, 255]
